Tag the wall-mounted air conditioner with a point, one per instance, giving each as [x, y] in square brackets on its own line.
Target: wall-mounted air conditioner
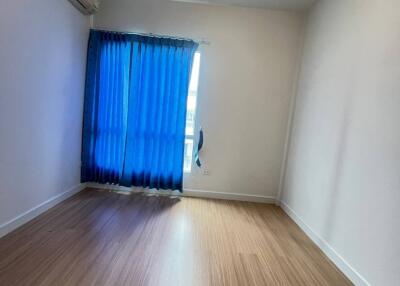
[87, 7]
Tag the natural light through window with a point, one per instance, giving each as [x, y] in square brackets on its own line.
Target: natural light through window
[191, 114]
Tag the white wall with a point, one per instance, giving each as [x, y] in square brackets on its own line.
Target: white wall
[246, 82]
[343, 174]
[42, 64]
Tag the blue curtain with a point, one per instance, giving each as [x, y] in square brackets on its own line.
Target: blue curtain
[135, 109]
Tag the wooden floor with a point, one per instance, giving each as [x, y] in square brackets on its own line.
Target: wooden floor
[103, 238]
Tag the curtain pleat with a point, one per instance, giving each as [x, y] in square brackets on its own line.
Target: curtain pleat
[135, 110]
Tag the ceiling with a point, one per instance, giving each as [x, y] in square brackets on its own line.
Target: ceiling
[269, 4]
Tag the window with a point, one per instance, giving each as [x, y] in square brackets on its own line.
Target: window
[191, 114]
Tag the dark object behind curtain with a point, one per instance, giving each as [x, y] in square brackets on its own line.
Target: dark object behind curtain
[199, 147]
[135, 109]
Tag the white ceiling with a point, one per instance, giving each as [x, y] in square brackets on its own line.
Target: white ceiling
[269, 4]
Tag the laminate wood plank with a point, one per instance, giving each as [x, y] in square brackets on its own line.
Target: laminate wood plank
[99, 237]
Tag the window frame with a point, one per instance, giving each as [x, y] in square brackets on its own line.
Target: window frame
[188, 168]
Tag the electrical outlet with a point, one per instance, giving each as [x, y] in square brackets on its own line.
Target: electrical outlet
[206, 172]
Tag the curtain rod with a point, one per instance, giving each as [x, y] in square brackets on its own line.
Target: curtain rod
[199, 41]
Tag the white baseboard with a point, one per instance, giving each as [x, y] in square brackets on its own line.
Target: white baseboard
[23, 218]
[191, 193]
[335, 257]
[229, 196]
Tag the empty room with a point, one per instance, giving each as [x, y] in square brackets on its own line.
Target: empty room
[199, 142]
